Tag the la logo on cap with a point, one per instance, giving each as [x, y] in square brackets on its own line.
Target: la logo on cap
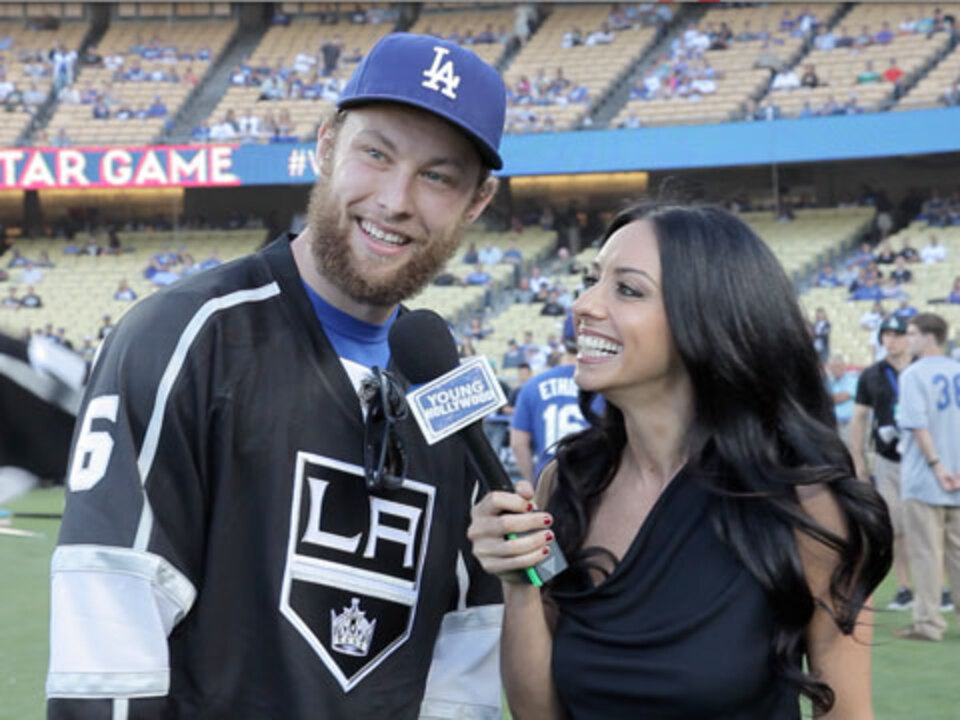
[441, 73]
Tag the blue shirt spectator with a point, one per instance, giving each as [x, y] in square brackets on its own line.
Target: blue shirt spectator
[884, 35]
[201, 132]
[157, 108]
[827, 278]
[479, 276]
[18, 260]
[513, 357]
[211, 262]
[513, 255]
[124, 292]
[954, 296]
[867, 291]
[906, 310]
[842, 386]
[863, 256]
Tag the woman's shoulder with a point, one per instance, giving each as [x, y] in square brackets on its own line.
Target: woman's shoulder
[819, 559]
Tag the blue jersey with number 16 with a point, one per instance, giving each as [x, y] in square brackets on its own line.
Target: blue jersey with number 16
[547, 409]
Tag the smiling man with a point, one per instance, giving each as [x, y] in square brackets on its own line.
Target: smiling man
[223, 552]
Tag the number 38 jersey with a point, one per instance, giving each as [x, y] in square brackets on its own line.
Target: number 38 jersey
[929, 398]
[220, 555]
[547, 409]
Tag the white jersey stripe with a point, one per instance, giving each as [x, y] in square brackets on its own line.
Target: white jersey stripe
[112, 610]
[121, 709]
[152, 437]
[463, 582]
[162, 575]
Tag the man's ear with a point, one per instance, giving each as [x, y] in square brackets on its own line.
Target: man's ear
[482, 197]
[326, 139]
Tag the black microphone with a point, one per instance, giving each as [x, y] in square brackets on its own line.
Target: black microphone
[423, 350]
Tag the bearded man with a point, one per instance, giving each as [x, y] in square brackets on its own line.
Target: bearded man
[222, 552]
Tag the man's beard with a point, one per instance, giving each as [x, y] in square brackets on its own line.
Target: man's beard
[329, 231]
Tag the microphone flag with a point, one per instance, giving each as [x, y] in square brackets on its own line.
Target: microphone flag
[456, 399]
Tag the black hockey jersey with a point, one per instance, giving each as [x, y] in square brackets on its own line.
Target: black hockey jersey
[220, 555]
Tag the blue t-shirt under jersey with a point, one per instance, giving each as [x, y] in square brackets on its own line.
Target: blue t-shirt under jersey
[354, 340]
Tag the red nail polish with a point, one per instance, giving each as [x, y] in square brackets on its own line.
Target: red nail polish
[548, 521]
[529, 507]
[549, 537]
[546, 551]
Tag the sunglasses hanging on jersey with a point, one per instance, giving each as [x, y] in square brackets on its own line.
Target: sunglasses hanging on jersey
[384, 457]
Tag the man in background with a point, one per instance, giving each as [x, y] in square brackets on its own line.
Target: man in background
[874, 405]
[546, 410]
[842, 386]
[929, 416]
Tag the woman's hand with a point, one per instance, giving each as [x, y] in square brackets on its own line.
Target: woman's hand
[508, 534]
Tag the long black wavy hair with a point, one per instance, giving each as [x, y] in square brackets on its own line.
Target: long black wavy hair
[763, 426]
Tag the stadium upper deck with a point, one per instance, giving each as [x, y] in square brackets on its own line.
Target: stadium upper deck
[685, 66]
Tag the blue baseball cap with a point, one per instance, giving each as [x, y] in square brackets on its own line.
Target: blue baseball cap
[893, 323]
[438, 76]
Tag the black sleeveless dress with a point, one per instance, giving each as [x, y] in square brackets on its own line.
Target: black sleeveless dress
[680, 629]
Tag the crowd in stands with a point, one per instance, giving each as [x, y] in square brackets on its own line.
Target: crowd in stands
[20, 270]
[789, 80]
[30, 300]
[321, 75]
[58, 336]
[621, 17]
[556, 89]
[844, 39]
[249, 127]
[941, 212]
[372, 15]
[166, 267]
[152, 61]
[846, 101]
[553, 298]
[951, 96]
[685, 72]
[627, 16]
[680, 73]
[526, 94]
[317, 75]
[487, 36]
[58, 65]
[882, 274]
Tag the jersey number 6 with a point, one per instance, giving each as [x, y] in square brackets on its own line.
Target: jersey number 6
[92, 452]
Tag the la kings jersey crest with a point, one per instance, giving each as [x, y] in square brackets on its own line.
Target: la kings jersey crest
[353, 567]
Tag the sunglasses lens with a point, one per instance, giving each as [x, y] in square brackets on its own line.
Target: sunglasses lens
[384, 458]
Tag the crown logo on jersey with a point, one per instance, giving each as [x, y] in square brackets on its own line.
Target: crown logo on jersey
[350, 631]
[441, 72]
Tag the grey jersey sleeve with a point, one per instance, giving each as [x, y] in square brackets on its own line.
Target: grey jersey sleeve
[912, 405]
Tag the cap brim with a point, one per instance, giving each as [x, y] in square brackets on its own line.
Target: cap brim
[488, 154]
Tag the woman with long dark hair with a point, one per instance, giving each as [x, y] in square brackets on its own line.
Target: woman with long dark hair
[717, 537]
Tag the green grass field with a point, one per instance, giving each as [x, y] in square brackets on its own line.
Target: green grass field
[912, 681]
